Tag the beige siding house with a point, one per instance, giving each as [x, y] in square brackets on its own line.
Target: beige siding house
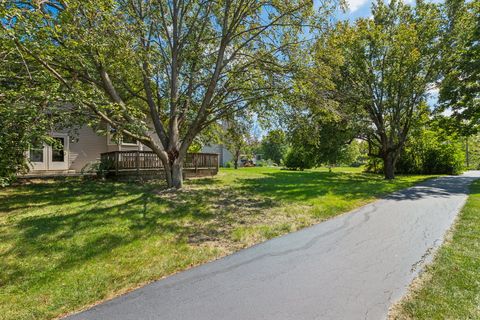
[73, 153]
[76, 152]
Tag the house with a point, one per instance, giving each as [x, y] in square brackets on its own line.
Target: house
[224, 156]
[72, 153]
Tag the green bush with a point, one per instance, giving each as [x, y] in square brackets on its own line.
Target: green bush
[432, 153]
[298, 159]
[229, 164]
[100, 168]
[265, 163]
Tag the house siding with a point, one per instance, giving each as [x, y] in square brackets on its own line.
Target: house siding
[86, 148]
[224, 155]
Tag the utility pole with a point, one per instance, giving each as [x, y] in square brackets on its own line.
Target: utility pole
[467, 152]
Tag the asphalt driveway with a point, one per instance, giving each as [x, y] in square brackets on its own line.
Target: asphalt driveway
[350, 267]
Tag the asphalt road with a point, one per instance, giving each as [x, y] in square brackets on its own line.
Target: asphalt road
[350, 267]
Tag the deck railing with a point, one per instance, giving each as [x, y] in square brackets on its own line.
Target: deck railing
[117, 162]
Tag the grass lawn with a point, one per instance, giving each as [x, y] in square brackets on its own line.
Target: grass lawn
[450, 286]
[65, 245]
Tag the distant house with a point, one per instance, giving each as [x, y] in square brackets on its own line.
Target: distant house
[224, 155]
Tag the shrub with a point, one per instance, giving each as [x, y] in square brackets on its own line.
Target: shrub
[298, 159]
[265, 163]
[229, 164]
[431, 153]
[100, 168]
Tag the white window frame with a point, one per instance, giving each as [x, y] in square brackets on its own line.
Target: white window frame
[113, 143]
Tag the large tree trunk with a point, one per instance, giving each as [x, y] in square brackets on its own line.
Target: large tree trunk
[177, 176]
[174, 173]
[389, 166]
[235, 159]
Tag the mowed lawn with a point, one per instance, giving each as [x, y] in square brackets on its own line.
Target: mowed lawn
[65, 245]
[450, 286]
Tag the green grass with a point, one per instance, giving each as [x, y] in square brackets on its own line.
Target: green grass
[450, 286]
[67, 244]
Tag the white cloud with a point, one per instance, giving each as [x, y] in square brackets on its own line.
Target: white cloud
[447, 112]
[354, 5]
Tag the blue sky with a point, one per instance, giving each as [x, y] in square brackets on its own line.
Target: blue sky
[357, 9]
[361, 8]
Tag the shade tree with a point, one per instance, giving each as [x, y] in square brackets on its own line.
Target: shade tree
[162, 71]
[390, 62]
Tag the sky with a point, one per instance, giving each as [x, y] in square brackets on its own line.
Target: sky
[361, 8]
[357, 9]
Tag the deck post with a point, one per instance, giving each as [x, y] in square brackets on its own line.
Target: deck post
[195, 161]
[137, 163]
[116, 163]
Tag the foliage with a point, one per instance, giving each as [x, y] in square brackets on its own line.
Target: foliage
[14, 141]
[460, 87]
[171, 68]
[319, 128]
[389, 63]
[322, 138]
[236, 137]
[266, 163]
[472, 145]
[354, 154]
[299, 158]
[100, 168]
[26, 112]
[274, 146]
[431, 152]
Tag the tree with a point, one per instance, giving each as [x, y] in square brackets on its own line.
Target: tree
[324, 136]
[236, 137]
[320, 127]
[460, 88]
[162, 71]
[389, 64]
[274, 146]
[26, 115]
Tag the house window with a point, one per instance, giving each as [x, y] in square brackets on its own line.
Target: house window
[128, 140]
[124, 139]
[36, 152]
[58, 154]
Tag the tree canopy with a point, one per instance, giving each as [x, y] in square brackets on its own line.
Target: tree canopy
[390, 62]
[162, 71]
[274, 146]
[168, 73]
[460, 88]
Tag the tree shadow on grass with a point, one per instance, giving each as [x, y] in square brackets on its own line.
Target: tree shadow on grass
[78, 222]
[304, 186]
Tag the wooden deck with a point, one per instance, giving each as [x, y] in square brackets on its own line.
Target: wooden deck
[147, 165]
